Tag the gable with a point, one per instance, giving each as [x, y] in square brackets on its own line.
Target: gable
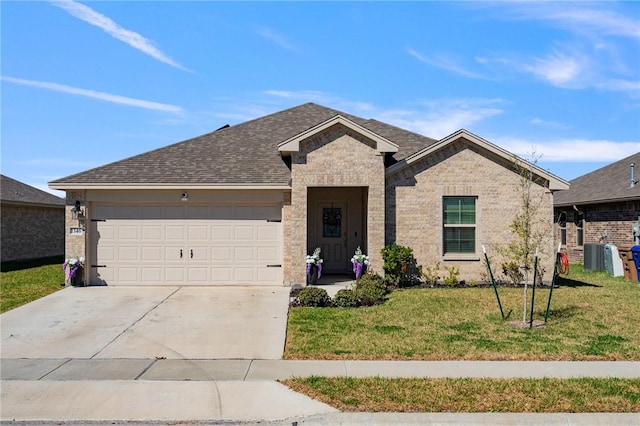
[554, 183]
[381, 144]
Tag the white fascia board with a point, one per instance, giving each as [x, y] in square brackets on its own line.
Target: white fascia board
[79, 186]
[293, 144]
[555, 183]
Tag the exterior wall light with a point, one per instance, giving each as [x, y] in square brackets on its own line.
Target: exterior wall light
[77, 212]
[185, 196]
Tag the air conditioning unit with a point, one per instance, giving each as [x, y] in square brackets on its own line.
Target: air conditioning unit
[594, 257]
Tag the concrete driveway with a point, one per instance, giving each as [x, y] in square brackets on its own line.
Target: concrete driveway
[150, 322]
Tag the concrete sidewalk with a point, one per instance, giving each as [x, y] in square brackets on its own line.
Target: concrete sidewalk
[259, 370]
[161, 391]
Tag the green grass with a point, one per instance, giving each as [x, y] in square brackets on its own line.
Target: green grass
[593, 317]
[23, 283]
[584, 395]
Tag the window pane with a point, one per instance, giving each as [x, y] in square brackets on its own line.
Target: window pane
[459, 210]
[579, 237]
[459, 240]
[563, 236]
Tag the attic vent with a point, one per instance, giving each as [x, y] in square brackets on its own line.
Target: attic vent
[223, 127]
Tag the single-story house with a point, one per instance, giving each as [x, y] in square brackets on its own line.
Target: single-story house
[600, 207]
[32, 222]
[246, 203]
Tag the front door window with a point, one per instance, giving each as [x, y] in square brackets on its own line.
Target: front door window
[331, 222]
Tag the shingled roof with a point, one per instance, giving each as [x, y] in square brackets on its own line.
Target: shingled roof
[607, 184]
[16, 192]
[244, 154]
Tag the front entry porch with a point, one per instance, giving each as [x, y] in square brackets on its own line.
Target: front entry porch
[337, 223]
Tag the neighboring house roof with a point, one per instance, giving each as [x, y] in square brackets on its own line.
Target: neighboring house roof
[242, 155]
[15, 192]
[607, 184]
[555, 183]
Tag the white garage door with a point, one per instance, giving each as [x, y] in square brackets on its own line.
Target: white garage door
[186, 245]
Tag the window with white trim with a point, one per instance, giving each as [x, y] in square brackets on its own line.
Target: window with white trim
[459, 225]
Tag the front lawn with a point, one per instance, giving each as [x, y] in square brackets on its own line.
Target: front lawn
[375, 394]
[593, 317]
[25, 284]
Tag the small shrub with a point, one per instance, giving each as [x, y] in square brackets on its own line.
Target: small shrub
[314, 297]
[370, 290]
[397, 259]
[452, 278]
[431, 274]
[345, 298]
[473, 282]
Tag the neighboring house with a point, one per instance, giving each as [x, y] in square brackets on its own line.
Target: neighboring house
[600, 207]
[32, 222]
[245, 204]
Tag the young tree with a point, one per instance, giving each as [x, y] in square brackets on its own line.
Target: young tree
[528, 227]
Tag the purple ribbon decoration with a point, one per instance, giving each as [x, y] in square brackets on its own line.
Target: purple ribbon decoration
[357, 269]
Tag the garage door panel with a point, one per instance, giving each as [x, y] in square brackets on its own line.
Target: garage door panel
[199, 254]
[221, 254]
[244, 275]
[188, 245]
[198, 275]
[107, 231]
[106, 253]
[151, 232]
[151, 254]
[243, 232]
[221, 233]
[128, 232]
[129, 275]
[244, 254]
[198, 232]
[267, 255]
[128, 254]
[221, 275]
[174, 233]
[151, 275]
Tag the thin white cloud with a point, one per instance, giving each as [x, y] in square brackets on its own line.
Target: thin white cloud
[583, 17]
[559, 69]
[439, 118]
[133, 39]
[139, 103]
[569, 150]
[536, 121]
[277, 38]
[443, 62]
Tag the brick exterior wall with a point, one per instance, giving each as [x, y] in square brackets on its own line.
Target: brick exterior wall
[30, 232]
[75, 244]
[616, 219]
[336, 157]
[415, 212]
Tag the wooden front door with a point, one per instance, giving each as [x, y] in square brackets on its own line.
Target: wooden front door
[332, 234]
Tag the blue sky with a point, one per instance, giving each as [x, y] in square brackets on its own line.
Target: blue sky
[87, 83]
